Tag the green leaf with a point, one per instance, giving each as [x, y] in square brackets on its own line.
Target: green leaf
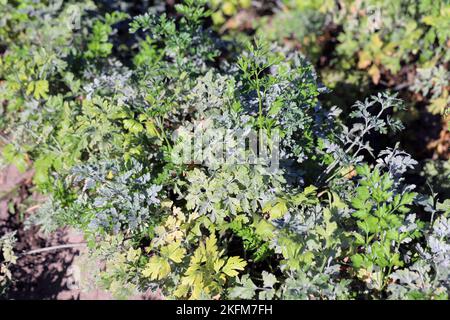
[408, 198]
[357, 260]
[264, 229]
[246, 290]
[133, 126]
[359, 239]
[15, 158]
[275, 107]
[269, 280]
[310, 190]
[363, 170]
[41, 167]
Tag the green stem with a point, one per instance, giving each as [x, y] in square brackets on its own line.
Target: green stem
[163, 132]
[259, 99]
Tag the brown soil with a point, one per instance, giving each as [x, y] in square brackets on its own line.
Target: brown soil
[45, 275]
[48, 274]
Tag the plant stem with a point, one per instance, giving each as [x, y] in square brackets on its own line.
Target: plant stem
[63, 246]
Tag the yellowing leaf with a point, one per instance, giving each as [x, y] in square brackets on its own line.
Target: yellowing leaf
[174, 252]
[151, 129]
[438, 105]
[429, 20]
[40, 89]
[218, 18]
[211, 245]
[264, 229]
[364, 60]
[156, 268]
[276, 211]
[376, 41]
[110, 175]
[133, 126]
[233, 264]
[181, 291]
[218, 264]
[228, 8]
[245, 3]
[374, 72]
[30, 88]
[133, 255]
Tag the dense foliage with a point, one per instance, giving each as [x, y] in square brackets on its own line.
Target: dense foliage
[102, 106]
[379, 37]
[226, 8]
